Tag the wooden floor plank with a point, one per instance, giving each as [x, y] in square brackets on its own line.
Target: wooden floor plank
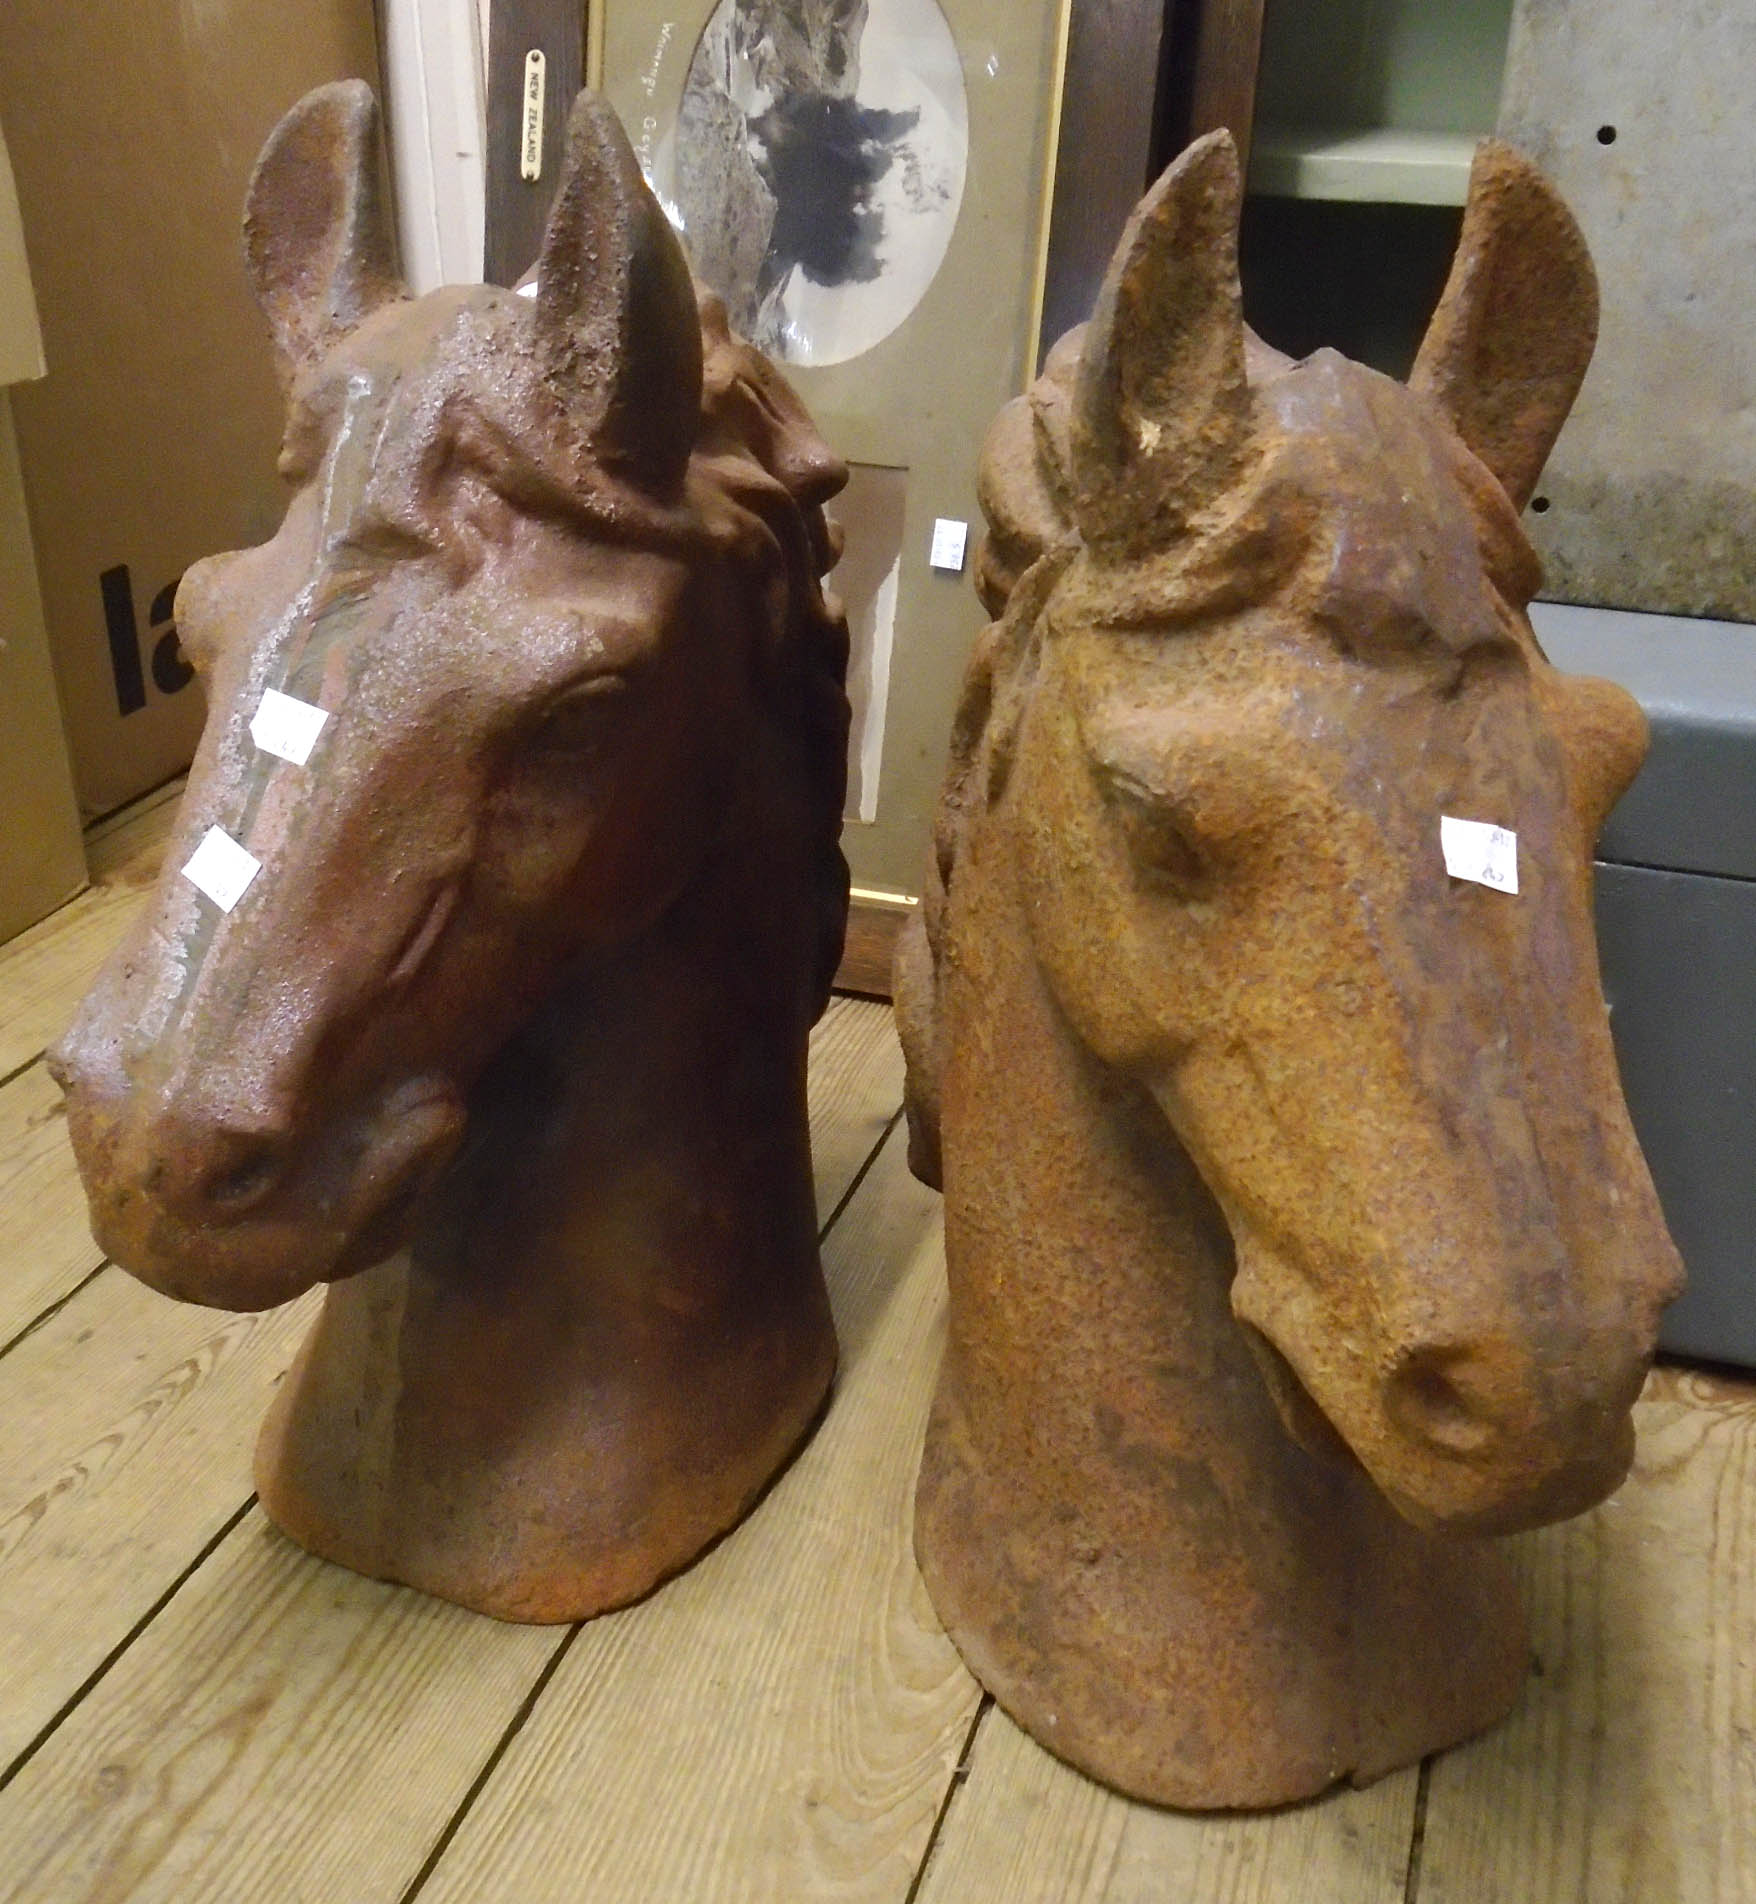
[127, 1422]
[1026, 1829]
[285, 1731]
[781, 1722]
[1628, 1771]
[122, 835]
[273, 1686]
[46, 971]
[45, 1242]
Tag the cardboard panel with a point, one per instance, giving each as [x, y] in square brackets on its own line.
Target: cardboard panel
[41, 860]
[21, 344]
[152, 440]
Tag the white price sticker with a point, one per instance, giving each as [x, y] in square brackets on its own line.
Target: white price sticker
[1476, 851]
[221, 868]
[950, 539]
[287, 727]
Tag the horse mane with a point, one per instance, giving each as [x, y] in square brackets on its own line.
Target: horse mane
[1023, 482]
[759, 475]
[760, 449]
[1025, 485]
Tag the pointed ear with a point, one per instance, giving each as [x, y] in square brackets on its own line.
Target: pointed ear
[1161, 411]
[1509, 344]
[616, 316]
[317, 242]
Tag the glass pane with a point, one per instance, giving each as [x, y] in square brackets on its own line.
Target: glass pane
[818, 166]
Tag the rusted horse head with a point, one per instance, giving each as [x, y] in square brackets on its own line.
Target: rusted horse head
[1215, 1057]
[520, 995]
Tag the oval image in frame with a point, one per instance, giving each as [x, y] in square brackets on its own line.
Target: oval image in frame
[818, 165]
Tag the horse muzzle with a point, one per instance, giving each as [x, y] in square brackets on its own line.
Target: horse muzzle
[1485, 1432]
[245, 1212]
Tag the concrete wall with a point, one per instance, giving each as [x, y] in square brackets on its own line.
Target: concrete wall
[1645, 116]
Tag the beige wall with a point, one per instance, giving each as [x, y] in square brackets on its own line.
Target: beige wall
[21, 343]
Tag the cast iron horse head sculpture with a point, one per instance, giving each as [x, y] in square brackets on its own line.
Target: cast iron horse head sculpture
[1298, 1238]
[506, 1040]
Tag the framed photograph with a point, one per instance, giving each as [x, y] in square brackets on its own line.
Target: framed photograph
[865, 183]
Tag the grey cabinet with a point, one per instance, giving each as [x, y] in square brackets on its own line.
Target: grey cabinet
[1676, 904]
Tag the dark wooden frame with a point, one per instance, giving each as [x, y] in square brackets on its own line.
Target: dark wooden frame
[1109, 106]
[1223, 51]
[518, 208]
[1143, 78]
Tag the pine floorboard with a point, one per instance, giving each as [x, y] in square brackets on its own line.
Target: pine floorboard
[193, 1709]
[284, 1731]
[1026, 1829]
[46, 1250]
[1629, 1769]
[128, 1422]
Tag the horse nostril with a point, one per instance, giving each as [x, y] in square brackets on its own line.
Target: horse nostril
[249, 1171]
[1433, 1397]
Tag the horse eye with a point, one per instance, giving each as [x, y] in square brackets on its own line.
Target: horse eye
[575, 720]
[1164, 852]
[1162, 843]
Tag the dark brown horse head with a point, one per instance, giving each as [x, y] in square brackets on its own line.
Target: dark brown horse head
[1277, 632]
[551, 568]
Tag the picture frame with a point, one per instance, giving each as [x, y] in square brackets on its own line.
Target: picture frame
[918, 399]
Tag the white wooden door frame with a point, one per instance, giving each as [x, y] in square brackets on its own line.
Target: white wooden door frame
[435, 103]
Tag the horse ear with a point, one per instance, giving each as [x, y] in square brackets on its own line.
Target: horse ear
[317, 243]
[1161, 410]
[1509, 344]
[616, 314]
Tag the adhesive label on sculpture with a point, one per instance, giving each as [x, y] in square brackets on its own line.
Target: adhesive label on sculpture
[287, 727]
[221, 868]
[818, 166]
[1474, 850]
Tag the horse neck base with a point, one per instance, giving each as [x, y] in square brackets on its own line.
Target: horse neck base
[1114, 1527]
[609, 1341]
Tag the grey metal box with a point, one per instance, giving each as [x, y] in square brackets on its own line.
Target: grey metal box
[1676, 915]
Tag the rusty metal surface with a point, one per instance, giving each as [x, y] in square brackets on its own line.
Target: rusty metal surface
[507, 1038]
[1298, 1238]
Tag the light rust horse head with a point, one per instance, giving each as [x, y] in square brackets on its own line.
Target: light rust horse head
[551, 565]
[1264, 625]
